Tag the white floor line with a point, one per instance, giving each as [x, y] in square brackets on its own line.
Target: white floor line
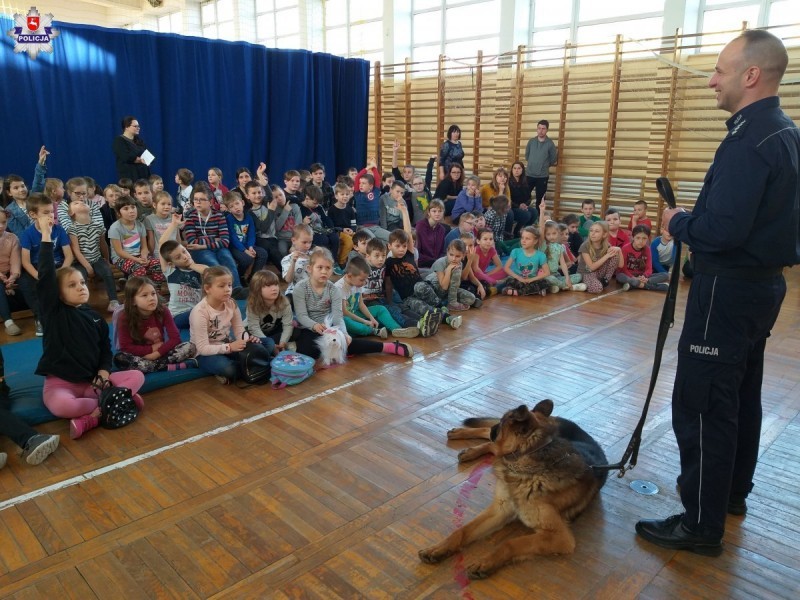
[201, 436]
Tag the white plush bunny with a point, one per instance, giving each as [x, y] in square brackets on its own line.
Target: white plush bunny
[332, 344]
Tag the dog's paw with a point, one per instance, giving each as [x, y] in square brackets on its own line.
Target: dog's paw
[451, 433]
[479, 570]
[433, 555]
[466, 455]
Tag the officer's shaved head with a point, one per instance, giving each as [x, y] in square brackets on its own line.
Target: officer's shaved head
[765, 51]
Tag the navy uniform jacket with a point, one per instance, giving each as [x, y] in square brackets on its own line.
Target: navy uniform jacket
[748, 211]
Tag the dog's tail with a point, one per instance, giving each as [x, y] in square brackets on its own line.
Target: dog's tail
[475, 422]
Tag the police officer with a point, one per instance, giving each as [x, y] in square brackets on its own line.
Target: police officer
[743, 231]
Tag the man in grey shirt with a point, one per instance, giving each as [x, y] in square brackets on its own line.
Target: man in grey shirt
[540, 155]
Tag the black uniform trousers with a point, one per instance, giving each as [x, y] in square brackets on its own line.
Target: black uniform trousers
[716, 401]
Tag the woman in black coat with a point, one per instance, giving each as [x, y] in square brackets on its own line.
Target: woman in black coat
[128, 149]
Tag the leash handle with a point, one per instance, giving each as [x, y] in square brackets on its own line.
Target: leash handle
[664, 188]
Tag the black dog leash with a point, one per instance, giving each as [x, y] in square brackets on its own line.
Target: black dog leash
[667, 321]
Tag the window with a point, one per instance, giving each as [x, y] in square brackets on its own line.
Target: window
[728, 20]
[278, 23]
[596, 22]
[354, 28]
[782, 12]
[216, 17]
[171, 23]
[457, 28]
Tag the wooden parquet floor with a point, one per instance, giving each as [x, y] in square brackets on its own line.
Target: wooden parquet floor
[328, 489]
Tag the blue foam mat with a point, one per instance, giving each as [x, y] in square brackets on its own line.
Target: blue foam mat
[21, 359]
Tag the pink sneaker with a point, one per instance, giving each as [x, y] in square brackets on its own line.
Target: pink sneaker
[139, 401]
[457, 307]
[80, 425]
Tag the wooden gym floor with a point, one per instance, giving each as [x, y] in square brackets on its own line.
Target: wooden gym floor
[328, 489]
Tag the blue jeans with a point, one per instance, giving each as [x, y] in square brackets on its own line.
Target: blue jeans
[268, 343]
[220, 364]
[244, 260]
[218, 256]
[182, 319]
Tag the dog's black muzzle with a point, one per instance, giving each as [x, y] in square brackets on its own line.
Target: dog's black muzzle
[493, 434]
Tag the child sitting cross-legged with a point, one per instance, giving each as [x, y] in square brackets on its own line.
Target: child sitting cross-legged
[488, 268]
[148, 338]
[527, 266]
[269, 313]
[76, 350]
[216, 326]
[598, 260]
[363, 320]
[128, 238]
[404, 278]
[316, 299]
[635, 268]
[444, 283]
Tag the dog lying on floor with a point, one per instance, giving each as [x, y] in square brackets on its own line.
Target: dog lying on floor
[544, 479]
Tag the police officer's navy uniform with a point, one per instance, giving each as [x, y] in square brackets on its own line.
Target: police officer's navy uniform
[745, 227]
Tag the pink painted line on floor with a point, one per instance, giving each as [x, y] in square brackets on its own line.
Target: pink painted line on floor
[459, 571]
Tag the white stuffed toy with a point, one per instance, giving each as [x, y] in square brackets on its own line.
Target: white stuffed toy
[332, 345]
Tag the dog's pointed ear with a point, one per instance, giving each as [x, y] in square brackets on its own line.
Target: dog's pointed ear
[521, 413]
[544, 407]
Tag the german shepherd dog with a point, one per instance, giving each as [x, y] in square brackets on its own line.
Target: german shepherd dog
[544, 479]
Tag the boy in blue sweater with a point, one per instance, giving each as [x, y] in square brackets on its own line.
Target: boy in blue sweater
[242, 230]
[30, 243]
[367, 201]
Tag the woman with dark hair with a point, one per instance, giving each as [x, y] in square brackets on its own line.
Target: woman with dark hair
[522, 207]
[128, 149]
[450, 186]
[450, 152]
[244, 176]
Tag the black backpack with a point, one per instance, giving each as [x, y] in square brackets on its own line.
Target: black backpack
[254, 364]
[117, 407]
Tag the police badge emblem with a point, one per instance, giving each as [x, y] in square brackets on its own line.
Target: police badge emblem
[33, 33]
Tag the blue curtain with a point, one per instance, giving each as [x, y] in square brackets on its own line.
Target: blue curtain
[200, 103]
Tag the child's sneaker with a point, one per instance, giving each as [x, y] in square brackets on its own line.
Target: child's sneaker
[405, 332]
[478, 303]
[457, 307]
[543, 292]
[223, 380]
[578, 287]
[80, 425]
[428, 325]
[39, 329]
[12, 328]
[554, 289]
[454, 322]
[626, 287]
[113, 305]
[381, 332]
[39, 447]
[492, 291]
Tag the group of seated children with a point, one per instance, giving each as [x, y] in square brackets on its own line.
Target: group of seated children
[403, 272]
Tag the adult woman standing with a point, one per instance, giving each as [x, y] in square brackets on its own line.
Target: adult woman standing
[451, 151]
[128, 149]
